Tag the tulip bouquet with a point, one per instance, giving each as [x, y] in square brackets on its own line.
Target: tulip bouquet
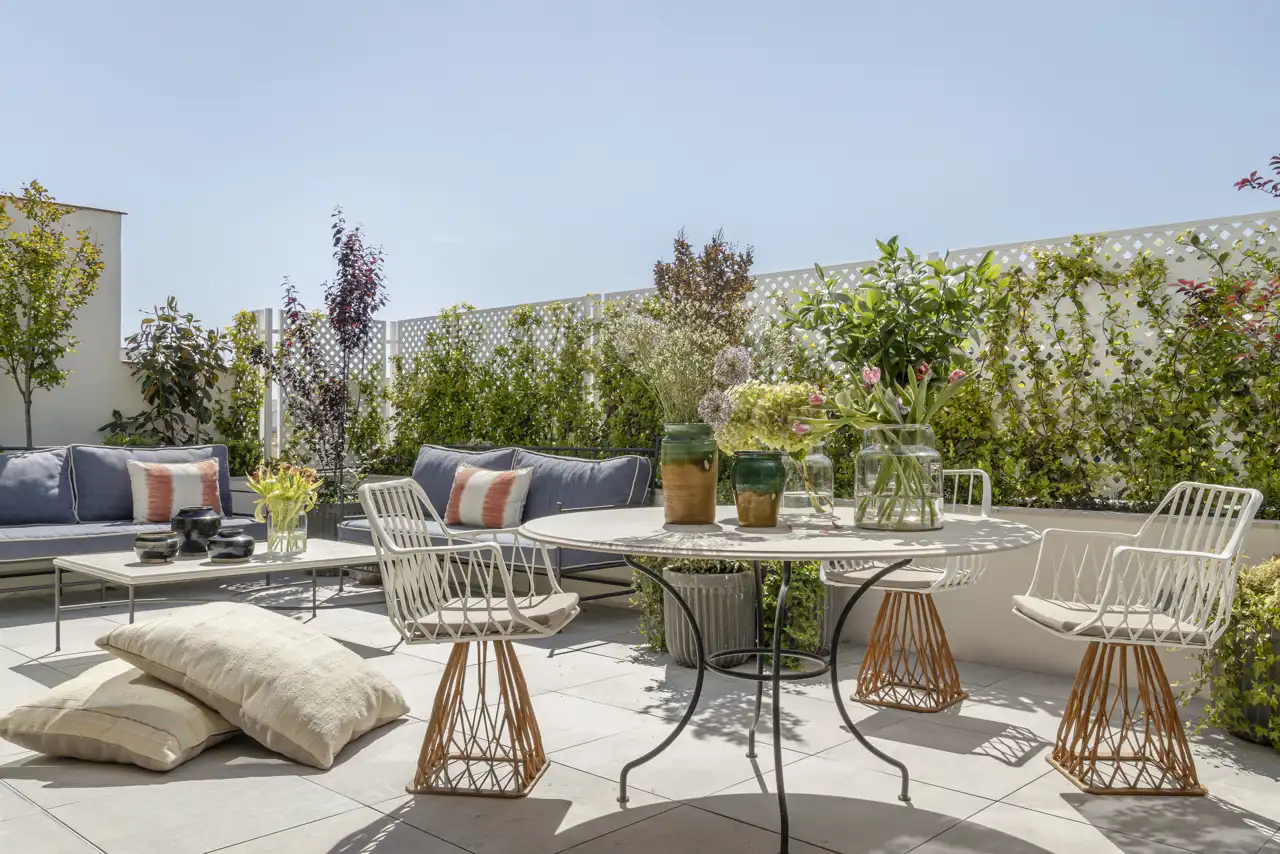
[287, 493]
[898, 480]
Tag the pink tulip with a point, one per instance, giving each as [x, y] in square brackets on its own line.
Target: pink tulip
[956, 375]
[870, 376]
[817, 399]
[800, 428]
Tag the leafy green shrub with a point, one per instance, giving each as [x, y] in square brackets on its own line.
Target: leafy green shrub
[236, 415]
[1244, 698]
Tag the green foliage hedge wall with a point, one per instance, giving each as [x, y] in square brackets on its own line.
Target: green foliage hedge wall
[1095, 384]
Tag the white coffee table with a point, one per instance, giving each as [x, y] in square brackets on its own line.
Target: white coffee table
[125, 569]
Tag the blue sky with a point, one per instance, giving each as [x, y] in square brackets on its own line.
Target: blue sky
[521, 151]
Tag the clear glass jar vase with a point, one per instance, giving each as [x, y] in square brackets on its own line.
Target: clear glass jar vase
[809, 496]
[898, 479]
[286, 532]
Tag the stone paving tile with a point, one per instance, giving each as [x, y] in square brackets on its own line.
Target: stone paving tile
[601, 702]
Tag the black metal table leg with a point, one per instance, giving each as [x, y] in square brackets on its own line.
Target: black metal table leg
[57, 608]
[775, 670]
[835, 677]
[759, 609]
[697, 685]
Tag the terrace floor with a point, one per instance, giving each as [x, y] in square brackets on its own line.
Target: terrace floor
[980, 780]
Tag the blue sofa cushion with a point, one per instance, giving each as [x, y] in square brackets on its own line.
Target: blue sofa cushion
[35, 487]
[575, 483]
[45, 542]
[101, 477]
[436, 466]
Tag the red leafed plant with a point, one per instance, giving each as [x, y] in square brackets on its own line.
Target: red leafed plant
[1254, 181]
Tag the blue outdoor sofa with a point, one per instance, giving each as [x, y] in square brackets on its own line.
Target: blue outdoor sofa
[77, 500]
[558, 484]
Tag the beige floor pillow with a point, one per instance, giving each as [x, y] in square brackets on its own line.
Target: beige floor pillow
[293, 689]
[116, 713]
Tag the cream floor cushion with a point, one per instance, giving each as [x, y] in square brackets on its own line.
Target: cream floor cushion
[116, 713]
[291, 688]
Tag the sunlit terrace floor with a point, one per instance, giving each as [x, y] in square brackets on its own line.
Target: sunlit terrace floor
[981, 783]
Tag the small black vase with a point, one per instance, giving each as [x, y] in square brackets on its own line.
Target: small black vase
[230, 547]
[196, 525]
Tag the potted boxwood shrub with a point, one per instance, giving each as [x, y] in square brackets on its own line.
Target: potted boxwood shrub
[1243, 668]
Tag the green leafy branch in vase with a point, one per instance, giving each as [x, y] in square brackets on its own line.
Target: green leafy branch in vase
[287, 492]
[895, 417]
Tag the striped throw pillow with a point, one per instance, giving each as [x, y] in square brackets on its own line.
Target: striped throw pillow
[487, 498]
[160, 490]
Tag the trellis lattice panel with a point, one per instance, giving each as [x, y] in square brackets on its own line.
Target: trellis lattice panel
[491, 328]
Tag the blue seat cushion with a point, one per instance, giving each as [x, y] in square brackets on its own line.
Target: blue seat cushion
[574, 483]
[45, 542]
[436, 466]
[101, 476]
[35, 487]
[562, 560]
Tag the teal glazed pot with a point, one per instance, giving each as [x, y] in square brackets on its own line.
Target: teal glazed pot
[758, 479]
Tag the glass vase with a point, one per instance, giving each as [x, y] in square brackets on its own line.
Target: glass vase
[286, 532]
[689, 472]
[810, 493]
[898, 479]
[758, 478]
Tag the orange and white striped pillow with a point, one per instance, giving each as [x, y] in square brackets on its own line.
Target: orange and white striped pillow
[160, 490]
[487, 498]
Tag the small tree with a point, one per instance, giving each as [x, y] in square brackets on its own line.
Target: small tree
[712, 285]
[46, 276]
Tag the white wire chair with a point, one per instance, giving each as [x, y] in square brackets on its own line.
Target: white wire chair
[1172, 584]
[463, 593]
[908, 663]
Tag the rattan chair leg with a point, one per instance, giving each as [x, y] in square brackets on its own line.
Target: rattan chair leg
[908, 664]
[1120, 732]
[483, 742]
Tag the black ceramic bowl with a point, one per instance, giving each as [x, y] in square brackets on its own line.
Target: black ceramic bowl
[196, 525]
[230, 547]
[157, 546]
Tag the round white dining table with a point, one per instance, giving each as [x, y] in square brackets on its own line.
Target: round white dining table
[642, 532]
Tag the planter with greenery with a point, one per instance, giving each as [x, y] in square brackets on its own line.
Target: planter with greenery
[46, 277]
[1242, 671]
[177, 363]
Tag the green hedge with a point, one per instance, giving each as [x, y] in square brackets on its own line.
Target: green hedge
[1094, 384]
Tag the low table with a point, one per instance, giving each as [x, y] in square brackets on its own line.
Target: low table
[125, 569]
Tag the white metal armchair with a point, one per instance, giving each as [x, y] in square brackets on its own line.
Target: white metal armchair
[908, 663]
[1172, 584]
[463, 593]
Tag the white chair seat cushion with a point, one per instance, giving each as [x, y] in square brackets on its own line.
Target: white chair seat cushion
[470, 617]
[116, 713]
[858, 573]
[292, 689]
[1141, 625]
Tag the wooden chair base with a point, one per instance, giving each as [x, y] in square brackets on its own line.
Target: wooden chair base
[908, 664]
[486, 744]
[1124, 738]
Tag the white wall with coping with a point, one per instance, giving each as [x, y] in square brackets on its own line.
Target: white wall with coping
[99, 380]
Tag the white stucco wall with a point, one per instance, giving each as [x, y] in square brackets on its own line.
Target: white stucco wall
[99, 381]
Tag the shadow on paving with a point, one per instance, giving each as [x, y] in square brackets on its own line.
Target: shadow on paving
[536, 826]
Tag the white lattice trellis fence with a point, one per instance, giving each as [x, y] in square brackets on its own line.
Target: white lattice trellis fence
[774, 291]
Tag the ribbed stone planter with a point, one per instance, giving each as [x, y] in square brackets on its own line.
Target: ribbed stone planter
[723, 606]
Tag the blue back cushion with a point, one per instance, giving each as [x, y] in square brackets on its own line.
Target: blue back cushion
[102, 477]
[575, 483]
[436, 466]
[35, 487]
